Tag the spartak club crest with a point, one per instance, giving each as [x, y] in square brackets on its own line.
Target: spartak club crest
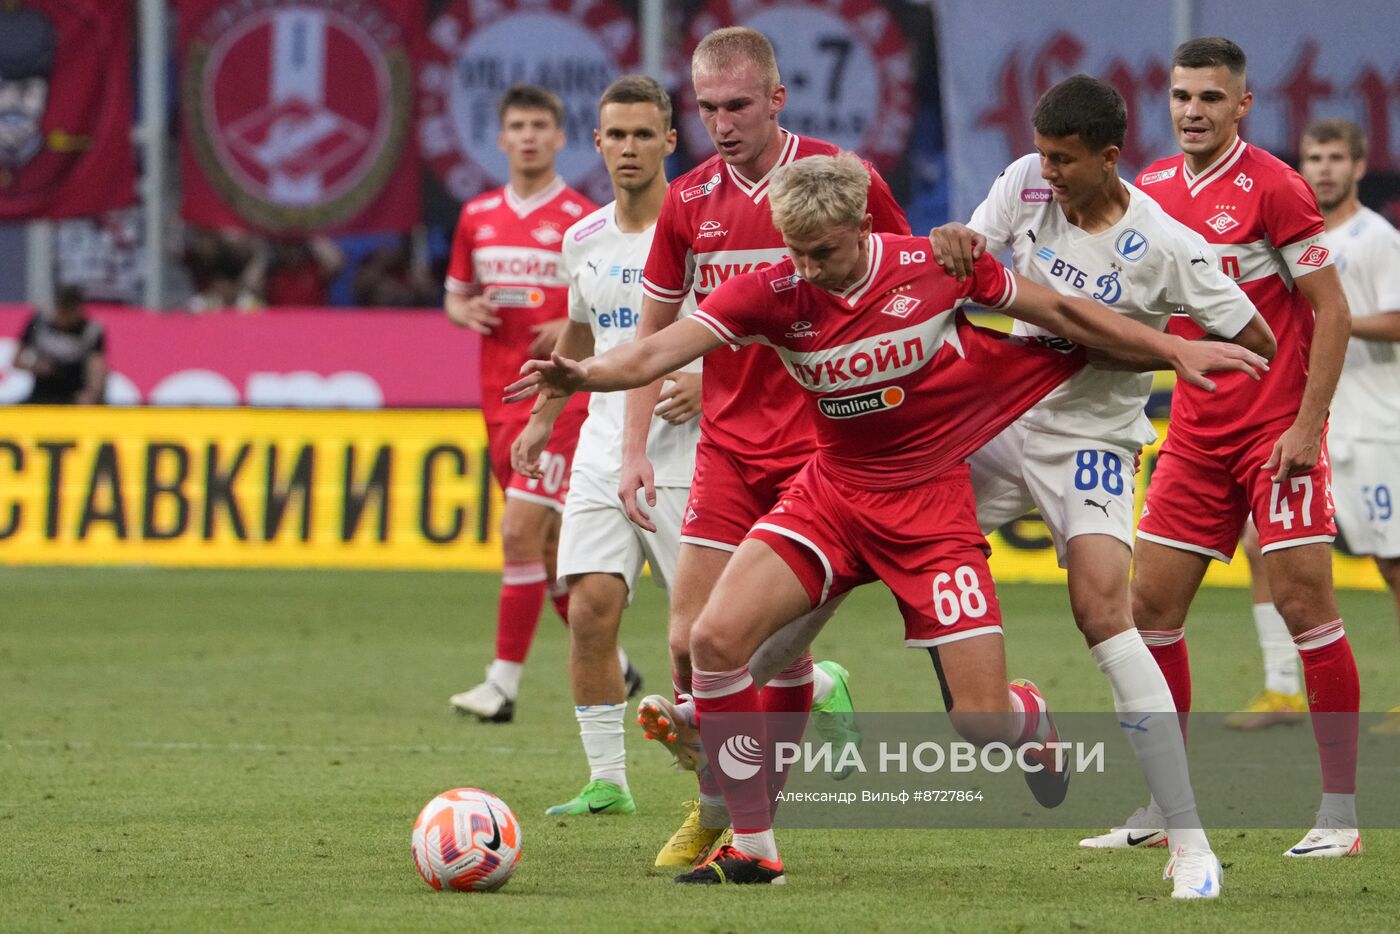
[298, 112]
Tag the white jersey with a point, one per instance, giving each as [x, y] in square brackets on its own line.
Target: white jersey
[1147, 266]
[604, 269]
[1367, 403]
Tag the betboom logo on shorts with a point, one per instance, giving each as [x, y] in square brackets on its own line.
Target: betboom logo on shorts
[878, 400]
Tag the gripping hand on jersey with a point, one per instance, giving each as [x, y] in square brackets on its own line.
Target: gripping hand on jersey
[1194, 359]
[956, 248]
[552, 379]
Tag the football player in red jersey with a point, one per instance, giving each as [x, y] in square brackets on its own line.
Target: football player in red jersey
[505, 282]
[896, 384]
[716, 223]
[1254, 448]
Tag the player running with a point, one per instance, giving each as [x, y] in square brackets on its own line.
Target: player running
[1073, 225]
[600, 551]
[1364, 435]
[896, 384]
[1252, 448]
[504, 281]
[715, 223]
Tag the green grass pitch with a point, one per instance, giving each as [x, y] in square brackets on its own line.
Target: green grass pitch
[201, 751]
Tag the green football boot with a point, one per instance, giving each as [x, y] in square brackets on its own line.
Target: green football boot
[596, 798]
[835, 718]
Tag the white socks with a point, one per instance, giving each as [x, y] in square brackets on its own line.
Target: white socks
[1337, 811]
[759, 844]
[1280, 654]
[1144, 702]
[600, 728]
[822, 685]
[506, 676]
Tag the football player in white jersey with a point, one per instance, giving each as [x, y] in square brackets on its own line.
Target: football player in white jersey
[600, 551]
[1073, 224]
[1364, 435]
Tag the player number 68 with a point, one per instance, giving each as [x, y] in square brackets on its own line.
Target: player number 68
[964, 598]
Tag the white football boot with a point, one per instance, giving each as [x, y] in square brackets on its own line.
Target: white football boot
[487, 702]
[1325, 842]
[1195, 873]
[1142, 830]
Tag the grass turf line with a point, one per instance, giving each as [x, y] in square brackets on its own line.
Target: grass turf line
[186, 750]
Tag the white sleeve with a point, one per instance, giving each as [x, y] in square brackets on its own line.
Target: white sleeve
[1383, 266]
[1193, 280]
[579, 307]
[995, 217]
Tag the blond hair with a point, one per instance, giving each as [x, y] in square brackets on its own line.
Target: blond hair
[818, 193]
[733, 47]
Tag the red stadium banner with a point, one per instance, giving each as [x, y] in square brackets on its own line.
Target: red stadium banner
[65, 108]
[297, 358]
[297, 116]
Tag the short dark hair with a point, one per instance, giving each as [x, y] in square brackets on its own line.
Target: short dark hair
[638, 89]
[28, 41]
[1082, 106]
[1331, 129]
[530, 97]
[1210, 52]
[69, 297]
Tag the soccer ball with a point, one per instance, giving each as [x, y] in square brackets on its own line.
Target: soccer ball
[466, 839]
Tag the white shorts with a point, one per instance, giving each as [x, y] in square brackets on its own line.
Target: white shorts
[1366, 490]
[1081, 486]
[596, 536]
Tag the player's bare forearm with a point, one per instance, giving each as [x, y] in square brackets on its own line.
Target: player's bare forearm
[1258, 337]
[1331, 331]
[1379, 327]
[645, 361]
[575, 341]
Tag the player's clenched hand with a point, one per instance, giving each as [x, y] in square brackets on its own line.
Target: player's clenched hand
[637, 476]
[1194, 359]
[1296, 450]
[553, 379]
[680, 397]
[546, 336]
[956, 248]
[527, 447]
[475, 313]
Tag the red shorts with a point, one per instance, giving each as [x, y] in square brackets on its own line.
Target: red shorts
[557, 460]
[728, 495]
[923, 542]
[1198, 499]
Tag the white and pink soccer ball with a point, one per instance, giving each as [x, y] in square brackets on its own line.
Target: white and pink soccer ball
[466, 839]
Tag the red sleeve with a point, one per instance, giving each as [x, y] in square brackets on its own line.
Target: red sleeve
[664, 277]
[991, 284]
[460, 273]
[1290, 211]
[736, 310]
[885, 213]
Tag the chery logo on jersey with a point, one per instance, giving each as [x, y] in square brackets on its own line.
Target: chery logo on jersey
[801, 329]
[1152, 178]
[1036, 195]
[710, 229]
[1131, 245]
[1222, 222]
[901, 306]
[546, 235]
[701, 190]
[878, 400]
[1314, 255]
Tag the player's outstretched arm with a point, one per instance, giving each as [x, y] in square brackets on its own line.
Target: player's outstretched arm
[575, 342]
[1299, 447]
[625, 367]
[1098, 327]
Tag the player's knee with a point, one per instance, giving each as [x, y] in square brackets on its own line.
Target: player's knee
[982, 728]
[714, 649]
[522, 536]
[679, 644]
[1102, 623]
[591, 613]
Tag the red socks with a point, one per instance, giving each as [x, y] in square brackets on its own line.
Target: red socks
[1168, 647]
[522, 598]
[727, 708]
[1334, 697]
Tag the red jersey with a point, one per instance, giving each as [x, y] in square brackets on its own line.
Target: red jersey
[900, 386]
[508, 247]
[716, 224]
[1262, 220]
